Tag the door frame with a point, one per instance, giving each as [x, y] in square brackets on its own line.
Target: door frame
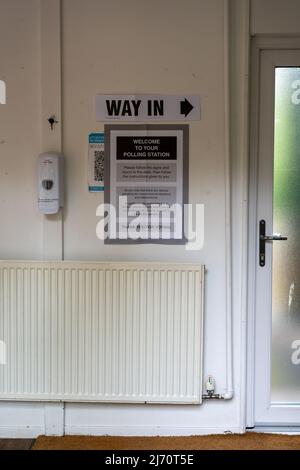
[259, 44]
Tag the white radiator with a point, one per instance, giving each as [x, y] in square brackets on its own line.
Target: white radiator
[109, 332]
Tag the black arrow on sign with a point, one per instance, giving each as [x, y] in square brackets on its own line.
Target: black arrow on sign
[185, 107]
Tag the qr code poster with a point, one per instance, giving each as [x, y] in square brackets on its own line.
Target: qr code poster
[96, 163]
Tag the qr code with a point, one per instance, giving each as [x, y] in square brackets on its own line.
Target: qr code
[99, 165]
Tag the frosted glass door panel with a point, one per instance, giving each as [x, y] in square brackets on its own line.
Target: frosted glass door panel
[286, 254]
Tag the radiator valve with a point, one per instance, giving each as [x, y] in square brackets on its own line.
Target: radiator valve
[210, 385]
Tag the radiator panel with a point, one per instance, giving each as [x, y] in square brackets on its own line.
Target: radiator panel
[101, 332]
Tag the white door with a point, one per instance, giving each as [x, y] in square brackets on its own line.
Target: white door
[277, 271]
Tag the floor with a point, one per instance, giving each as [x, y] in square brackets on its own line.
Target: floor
[16, 444]
[248, 441]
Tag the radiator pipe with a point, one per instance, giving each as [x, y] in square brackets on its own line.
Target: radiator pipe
[228, 394]
[210, 384]
[215, 396]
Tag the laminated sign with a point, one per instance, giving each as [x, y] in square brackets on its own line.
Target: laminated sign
[146, 170]
[96, 163]
[148, 108]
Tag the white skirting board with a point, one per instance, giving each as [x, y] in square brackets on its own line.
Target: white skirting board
[35, 431]
[107, 332]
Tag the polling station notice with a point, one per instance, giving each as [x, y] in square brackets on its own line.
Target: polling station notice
[148, 148]
[148, 165]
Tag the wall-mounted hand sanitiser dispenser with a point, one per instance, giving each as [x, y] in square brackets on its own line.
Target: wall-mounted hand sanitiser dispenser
[50, 182]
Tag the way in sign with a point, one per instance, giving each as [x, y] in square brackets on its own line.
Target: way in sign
[124, 108]
[148, 107]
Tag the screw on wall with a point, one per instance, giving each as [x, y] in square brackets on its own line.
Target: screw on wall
[52, 120]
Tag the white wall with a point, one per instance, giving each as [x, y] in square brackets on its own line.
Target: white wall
[144, 47]
[112, 47]
[275, 17]
[21, 226]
